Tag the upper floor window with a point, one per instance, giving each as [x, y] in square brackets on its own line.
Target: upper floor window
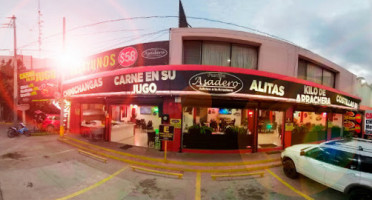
[220, 53]
[315, 73]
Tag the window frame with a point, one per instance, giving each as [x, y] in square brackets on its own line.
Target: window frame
[306, 61]
[337, 152]
[361, 166]
[322, 150]
[230, 44]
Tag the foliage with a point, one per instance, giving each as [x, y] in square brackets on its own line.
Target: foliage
[235, 130]
[197, 129]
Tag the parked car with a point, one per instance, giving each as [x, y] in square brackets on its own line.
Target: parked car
[344, 165]
[51, 123]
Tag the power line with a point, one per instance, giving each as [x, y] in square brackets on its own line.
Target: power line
[161, 17]
[113, 31]
[135, 38]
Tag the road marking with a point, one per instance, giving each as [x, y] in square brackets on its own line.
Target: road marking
[289, 186]
[197, 186]
[94, 185]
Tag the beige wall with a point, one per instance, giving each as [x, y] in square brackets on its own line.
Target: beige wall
[274, 55]
[364, 90]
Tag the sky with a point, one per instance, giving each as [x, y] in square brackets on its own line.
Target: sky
[339, 30]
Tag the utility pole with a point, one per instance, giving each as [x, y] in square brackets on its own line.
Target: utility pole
[15, 68]
[39, 26]
[62, 105]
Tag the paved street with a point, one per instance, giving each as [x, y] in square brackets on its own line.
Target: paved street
[40, 167]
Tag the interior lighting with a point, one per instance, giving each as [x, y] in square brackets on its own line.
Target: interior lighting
[250, 113]
[269, 126]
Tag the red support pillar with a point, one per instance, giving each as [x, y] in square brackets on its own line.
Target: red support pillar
[288, 134]
[329, 128]
[174, 110]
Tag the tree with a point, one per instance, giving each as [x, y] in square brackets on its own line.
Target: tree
[6, 88]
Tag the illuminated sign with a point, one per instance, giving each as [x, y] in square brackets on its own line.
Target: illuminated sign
[216, 83]
[368, 122]
[154, 53]
[179, 80]
[37, 84]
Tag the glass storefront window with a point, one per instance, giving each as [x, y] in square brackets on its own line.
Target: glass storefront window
[309, 127]
[270, 128]
[217, 128]
[134, 124]
[336, 125]
[93, 121]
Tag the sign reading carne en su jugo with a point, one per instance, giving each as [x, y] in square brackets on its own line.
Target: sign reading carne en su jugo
[154, 53]
[178, 80]
[37, 84]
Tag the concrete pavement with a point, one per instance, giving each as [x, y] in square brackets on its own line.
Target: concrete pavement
[40, 167]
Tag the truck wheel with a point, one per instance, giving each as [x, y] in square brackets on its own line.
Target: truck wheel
[289, 169]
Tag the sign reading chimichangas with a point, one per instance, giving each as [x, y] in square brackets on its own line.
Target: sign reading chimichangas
[154, 53]
[37, 84]
[179, 80]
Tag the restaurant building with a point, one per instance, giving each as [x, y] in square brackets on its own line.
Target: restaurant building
[222, 91]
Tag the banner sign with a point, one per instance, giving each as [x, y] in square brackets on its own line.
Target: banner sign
[352, 122]
[368, 122]
[37, 84]
[154, 53]
[184, 82]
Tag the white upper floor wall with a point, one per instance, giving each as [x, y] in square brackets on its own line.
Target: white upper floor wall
[274, 55]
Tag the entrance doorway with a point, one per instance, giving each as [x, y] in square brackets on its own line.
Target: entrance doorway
[270, 129]
[134, 125]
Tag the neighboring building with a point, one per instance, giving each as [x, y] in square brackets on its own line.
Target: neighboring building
[224, 91]
[25, 63]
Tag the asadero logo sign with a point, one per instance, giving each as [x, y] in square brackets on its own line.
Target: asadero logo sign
[216, 83]
[128, 56]
[154, 53]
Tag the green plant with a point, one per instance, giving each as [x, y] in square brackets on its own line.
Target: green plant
[347, 135]
[232, 130]
[242, 130]
[206, 130]
[317, 129]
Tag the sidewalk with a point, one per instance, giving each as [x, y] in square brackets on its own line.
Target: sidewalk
[152, 158]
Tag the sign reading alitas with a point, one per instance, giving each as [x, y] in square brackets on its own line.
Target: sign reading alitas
[37, 84]
[154, 53]
[180, 80]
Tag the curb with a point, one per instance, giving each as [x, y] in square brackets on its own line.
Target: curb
[132, 162]
[206, 164]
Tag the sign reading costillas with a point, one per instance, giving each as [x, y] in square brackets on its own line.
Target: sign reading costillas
[179, 80]
[216, 83]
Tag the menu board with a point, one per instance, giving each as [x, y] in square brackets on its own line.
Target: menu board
[368, 122]
[37, 84]
[352, 122]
